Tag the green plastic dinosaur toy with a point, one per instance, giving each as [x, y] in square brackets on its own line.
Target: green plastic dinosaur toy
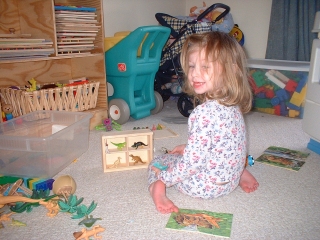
[119, 145]
[17, 223]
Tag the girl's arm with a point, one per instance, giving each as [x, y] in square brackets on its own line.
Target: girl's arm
[196, 151]
[178, 149]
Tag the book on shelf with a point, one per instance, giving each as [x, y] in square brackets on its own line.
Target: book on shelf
[74, 8]
[75, 20]
[63, 43]
[77, 49]
[24, 54]
[24, 47]
[75, 13]
[10, 58]
[13, 35]
[78, 27]
[75, 39]
[76, 46]
[76, 53]
[22, 40]
[71, 15]
[76, 34]
[61, 30]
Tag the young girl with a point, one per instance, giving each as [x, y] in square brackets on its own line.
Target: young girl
[212, 163]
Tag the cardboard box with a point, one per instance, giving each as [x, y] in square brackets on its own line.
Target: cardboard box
[279, 87]
[42, 143]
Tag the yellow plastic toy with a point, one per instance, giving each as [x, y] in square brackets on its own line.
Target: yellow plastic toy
[237, 34]
[33, 85]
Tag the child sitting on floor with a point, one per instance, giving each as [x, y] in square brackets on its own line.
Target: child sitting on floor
[212, 163]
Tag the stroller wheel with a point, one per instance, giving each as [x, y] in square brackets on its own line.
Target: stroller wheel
[185, 105]
[163, 94]
[165, 97]
[159, 103]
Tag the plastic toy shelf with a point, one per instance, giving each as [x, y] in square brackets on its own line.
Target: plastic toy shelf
[127, 150]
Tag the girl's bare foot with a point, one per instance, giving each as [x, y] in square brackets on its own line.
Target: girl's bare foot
[161, 201]
[248, 183]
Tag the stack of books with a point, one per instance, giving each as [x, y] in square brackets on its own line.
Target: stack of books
[20, 46]
[76, 28]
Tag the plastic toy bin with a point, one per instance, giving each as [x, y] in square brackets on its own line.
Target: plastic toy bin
[42, 143]
[279, 87]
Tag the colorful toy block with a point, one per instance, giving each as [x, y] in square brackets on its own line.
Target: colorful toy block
[279, 75]
[261, 95]
[266, 110]
[31, 181]
[291, 86]
[277, 110]
[8, 179]
[40, 183]
[262, 103]
[275, 101]
[293, 113]
[282, 94]
[297, 99]
[302, 83]
[269, 93]
[259, 78]
[275, 80]
[254, 86]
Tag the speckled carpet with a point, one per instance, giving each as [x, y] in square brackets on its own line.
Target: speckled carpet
[286, 205]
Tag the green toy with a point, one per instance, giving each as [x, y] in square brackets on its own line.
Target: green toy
[17, 223]
[89, 221]
[116, 126]
[119, 145]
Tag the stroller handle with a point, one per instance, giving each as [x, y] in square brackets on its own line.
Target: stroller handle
[211, 8]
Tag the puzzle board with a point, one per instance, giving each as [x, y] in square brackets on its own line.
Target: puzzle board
[127, 150]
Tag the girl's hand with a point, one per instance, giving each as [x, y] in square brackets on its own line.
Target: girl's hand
[156, 170]
[178, 149]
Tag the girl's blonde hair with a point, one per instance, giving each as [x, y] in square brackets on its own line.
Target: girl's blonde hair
[220, 48]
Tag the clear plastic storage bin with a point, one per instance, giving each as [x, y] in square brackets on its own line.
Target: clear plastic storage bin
[42, 143]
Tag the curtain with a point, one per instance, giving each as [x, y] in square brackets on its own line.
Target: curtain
[290, 36]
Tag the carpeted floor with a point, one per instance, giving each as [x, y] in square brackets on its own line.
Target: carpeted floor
[286, 205]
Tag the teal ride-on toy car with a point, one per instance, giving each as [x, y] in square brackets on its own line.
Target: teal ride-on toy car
[131, 65]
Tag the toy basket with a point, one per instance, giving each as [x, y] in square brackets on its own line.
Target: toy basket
[68, 98]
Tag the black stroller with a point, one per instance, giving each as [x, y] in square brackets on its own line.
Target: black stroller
[170, 65]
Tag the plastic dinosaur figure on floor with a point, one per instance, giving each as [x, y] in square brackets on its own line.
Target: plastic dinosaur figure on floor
[89, 221]
[17, 223]
[119, 145]
[52, 206]
[86, 234]
[6, 216]
[138, 144]
[136, 159]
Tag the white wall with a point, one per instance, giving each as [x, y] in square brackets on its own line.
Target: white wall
[127, 15]
[252, 16]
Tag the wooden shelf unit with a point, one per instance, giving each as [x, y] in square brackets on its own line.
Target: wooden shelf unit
[115, 159]
[37, 17]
